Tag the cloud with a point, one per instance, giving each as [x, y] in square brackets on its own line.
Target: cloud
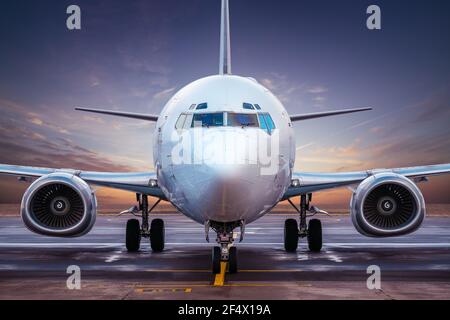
[290, 90]
[47, 144]
[93, 119]
[94, 81]
[156, 71]
[139, 93]
[339, 155]
[39, 122]
[164, 93]
[7, 105]
[434, 107]
[36, 121]
[331, 161]
[284, 88]
[389, 152]
[268, 84]
[317, 90]
[37, 136]
[319, 99]
[375, 129]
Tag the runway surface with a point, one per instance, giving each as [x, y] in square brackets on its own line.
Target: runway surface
[416, 266]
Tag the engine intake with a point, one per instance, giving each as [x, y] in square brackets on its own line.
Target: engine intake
[387, 204]
[59, 204]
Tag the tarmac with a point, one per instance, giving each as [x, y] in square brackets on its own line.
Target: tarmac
[416, 266]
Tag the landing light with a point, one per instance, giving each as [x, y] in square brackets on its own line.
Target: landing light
[153, 183]
[295, 183]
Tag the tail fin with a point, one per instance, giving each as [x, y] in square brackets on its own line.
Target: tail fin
[225, 47]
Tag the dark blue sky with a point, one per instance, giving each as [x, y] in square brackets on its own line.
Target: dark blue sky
[314, 55]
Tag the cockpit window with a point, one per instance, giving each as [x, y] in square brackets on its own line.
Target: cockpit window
[207, 120]
[266, 122]
[242, 120]
[269, 121]
[262, 121]
[180, 122]
[218, 119]
[192, 107]
[202, 106]
[248, 106]
[257, 107]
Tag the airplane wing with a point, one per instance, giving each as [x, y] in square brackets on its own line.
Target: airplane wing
[303, 182]
[139, 182]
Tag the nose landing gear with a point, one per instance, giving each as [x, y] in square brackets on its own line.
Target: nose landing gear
[136, 231]
[226, 252]
[312, 231]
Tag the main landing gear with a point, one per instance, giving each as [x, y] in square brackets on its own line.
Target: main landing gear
[225, 252]
[312, 231]
[136, 231]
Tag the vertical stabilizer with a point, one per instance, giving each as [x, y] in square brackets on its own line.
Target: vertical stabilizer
[225, 48]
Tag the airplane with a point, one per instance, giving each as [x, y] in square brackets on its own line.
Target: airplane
[233, 118]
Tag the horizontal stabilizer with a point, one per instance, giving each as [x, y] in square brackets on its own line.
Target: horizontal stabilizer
[148, 117]
[307, 116]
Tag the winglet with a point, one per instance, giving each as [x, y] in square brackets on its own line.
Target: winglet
[140, 116]
[225, 47]
[307, 116]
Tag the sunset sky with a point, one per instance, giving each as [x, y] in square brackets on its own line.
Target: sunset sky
[314, 55]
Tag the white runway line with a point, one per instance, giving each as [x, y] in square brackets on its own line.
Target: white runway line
[278, 244]
[392, 245]
[59, 245]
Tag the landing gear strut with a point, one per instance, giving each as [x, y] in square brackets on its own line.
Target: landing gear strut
[226, 252]
[312, 231]
[135, 231]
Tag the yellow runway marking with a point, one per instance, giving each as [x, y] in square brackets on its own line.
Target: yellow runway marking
[187, 288]
[161, 289]
[265, 285]
[220, 277]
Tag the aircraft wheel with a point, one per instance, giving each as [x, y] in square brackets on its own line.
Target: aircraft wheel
[232, 260]
[133, 235]
[157, 235]
[315, 235]
[290, 235]
[216, 258]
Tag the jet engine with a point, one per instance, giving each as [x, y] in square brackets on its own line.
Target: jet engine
[387, 204]
[60, 205]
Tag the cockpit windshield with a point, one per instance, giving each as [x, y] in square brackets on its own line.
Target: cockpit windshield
[242, 120]
[219, 119]
[207, 120]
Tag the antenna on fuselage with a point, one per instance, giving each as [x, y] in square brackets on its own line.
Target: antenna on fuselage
[225, 47]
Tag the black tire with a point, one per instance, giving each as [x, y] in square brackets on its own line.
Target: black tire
[315, 235]
[290, 235]
[133, 235]
[216, 258]
[232, 260]
[157, 235]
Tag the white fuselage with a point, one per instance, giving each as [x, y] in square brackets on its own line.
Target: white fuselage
[223, 172]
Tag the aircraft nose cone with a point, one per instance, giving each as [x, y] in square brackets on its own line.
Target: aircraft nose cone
[225, 182]
[225, 146]
[223, 192]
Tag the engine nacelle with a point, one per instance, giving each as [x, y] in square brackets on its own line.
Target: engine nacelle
[60, 205]
[386, 205]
